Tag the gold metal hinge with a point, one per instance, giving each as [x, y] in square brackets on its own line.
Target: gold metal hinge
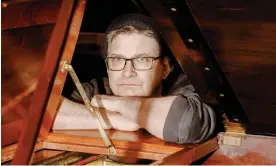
[234, 135]
[95, 113]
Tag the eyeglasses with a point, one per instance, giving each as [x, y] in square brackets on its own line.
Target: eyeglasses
[139, 63]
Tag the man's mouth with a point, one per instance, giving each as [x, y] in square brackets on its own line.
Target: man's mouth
[129, 85]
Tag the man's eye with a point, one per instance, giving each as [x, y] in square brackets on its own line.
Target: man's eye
[143, 59]
[116, 59]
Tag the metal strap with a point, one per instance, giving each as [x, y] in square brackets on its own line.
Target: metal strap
[95, 113]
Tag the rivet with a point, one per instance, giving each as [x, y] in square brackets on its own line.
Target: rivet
[206, 68]
[173, 9]
[190, 40]
[221, 95]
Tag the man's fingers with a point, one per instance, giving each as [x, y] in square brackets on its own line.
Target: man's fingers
[121, 123]
[110, 103]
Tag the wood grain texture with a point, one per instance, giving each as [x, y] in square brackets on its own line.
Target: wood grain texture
[243, 36]
[185, 156]
[138, 144]
[255, 150]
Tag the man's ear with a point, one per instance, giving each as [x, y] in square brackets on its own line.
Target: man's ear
[167, 67]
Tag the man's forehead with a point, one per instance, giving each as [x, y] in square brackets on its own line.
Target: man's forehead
[133, 45]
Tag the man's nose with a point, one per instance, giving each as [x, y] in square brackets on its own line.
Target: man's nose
[129, 71]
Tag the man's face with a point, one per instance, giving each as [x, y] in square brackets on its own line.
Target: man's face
[131, 82]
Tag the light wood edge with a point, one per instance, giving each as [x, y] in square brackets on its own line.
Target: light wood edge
[97, 146]
[185, 157]
[104, 150]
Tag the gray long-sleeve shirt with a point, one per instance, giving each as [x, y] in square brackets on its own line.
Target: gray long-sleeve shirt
[186, 122]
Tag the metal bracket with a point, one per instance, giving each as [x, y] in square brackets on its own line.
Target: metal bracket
[95, 113]
[234, 135]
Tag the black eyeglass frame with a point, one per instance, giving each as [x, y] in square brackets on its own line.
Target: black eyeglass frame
[131, 60]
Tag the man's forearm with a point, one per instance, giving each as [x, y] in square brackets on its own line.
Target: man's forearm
[153, 114]
[73, 115]
[177, 119]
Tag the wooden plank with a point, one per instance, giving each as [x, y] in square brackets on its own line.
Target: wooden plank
[176, 44]
[185, 157]
[119, 141]
[44, 85]
[143, 148]
[140, 136]
[29, 13]
[103, 150]
[70, 44]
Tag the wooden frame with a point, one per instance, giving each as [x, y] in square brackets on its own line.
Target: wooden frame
[44, 86]
[146, 148]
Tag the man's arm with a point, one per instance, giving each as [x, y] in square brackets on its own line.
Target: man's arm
[72, 115]
[180, 119]
[189, 120]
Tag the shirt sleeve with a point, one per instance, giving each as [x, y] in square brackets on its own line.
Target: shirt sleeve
[189, 120]
[90, 88]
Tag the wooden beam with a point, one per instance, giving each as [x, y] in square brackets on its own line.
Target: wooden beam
[125, 145]
[123, 140]
[141, 148]
[60, 77]
[185, 157]
[44, 85]
[29, 13]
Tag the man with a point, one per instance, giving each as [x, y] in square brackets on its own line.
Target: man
[136, 67]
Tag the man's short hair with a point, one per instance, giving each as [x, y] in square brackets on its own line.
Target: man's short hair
[131, 23]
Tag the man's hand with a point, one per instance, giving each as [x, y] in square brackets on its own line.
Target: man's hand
[148, 113]
[129, 107]
[119, 122]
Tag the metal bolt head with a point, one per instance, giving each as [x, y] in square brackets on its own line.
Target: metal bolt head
[173, 9]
